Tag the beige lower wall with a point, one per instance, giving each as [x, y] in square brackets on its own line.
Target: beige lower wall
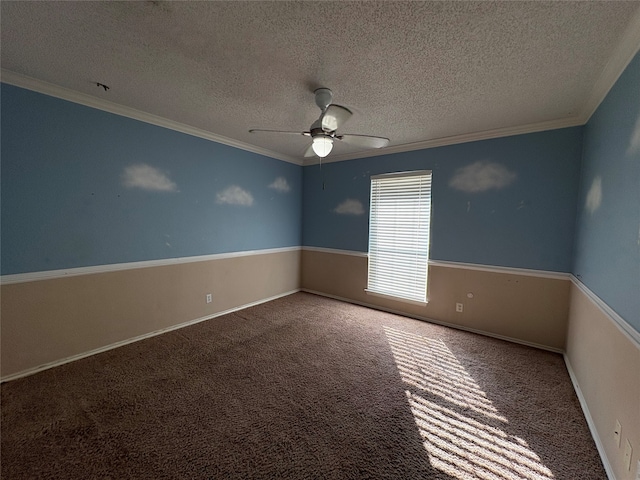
[549, 312]
[49, 320]
[529, 309]
[606, 366]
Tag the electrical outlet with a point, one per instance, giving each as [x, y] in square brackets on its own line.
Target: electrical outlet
[459, 307]
[628, 451]
[617, 431]
[209, 298]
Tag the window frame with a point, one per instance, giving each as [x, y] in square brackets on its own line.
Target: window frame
[376, 258]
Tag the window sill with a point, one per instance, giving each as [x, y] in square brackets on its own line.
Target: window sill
[396, 299]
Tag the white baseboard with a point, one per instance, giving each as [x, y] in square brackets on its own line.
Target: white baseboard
[437, 322]
[73, 358]
[590, 423]
[574, 381]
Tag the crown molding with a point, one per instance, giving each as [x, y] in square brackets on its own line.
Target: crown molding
[621, 56]
[627, 48]
[624, 52]
[40, 86]
[573, 121]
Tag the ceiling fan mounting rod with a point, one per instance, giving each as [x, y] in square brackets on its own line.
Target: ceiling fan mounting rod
[324, 97]
[323, 131]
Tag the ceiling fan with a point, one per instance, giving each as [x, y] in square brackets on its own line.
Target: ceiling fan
[323, 131]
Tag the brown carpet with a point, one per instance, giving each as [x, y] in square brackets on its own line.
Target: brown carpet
[301, 387]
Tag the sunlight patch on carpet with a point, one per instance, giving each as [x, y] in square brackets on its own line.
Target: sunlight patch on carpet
[463, 432]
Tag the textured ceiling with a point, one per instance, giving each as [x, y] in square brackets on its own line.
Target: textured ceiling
[410, 71]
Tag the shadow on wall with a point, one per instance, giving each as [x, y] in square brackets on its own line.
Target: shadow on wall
[464, 433]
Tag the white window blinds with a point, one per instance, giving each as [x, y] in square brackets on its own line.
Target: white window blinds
[399, 235]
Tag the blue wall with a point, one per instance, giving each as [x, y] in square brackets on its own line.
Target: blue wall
[506, 202]
[83, 187]
[607, 257]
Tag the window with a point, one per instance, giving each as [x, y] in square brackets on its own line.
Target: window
[399, 235]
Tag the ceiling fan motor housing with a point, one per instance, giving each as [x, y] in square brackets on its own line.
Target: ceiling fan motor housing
[317, 131]
[323, 131]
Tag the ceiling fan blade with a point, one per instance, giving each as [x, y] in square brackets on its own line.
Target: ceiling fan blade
[309, 152]
[365, 141]
[260, 130]
[334, 117]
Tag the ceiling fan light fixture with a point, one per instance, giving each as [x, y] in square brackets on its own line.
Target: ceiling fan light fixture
[322, 145]
[324, 130]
